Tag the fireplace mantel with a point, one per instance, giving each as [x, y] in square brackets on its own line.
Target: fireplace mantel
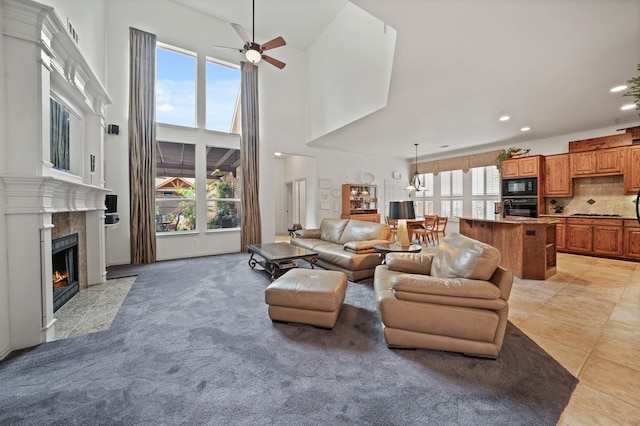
[36, 194]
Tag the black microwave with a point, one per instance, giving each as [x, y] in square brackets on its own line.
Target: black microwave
[523, 187]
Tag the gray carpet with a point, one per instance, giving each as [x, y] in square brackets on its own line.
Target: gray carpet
[192, 344]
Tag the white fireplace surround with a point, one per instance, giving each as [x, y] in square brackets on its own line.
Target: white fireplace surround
[41, 58]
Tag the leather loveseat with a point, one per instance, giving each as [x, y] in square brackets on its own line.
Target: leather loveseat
[451, 298]
[345, 245]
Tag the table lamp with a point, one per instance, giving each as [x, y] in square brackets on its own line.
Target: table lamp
[401, 211]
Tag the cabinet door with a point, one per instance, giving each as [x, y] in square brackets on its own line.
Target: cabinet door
[632, 170]
[561, 233]
[579, 238]
[509, 168]
[609, 161]
[632, 242]
[583, 163]
[607, 240]
[528, 166]
[557, 180]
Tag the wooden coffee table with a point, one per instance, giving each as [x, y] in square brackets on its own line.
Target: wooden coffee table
[279, 257]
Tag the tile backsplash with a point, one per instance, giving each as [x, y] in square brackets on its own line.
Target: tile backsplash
[607, 192]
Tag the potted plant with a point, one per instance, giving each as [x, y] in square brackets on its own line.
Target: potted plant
[634, 89]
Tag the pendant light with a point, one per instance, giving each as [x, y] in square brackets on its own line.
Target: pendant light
[416, 183]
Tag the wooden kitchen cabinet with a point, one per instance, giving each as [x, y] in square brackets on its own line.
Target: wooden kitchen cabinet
[579, 238]
[521, 167]
[561, 234]
[608, 240]
[631, 239]
[632, 170]
[592, 163]
[557, 177]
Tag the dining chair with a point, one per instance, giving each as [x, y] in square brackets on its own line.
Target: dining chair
[440, 227]
[423, 232]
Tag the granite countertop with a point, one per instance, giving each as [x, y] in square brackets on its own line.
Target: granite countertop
[511, 219]
[571, 216]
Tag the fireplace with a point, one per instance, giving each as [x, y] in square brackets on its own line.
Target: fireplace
[65, 269]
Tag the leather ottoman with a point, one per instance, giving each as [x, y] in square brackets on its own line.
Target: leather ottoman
[307, 296]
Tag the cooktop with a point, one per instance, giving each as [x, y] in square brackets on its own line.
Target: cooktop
[596, 214]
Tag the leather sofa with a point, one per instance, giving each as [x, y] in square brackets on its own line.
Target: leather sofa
[452, 298]
[345, 245]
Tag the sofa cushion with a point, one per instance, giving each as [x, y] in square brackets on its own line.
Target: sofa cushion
[457, 287]
[358, 230]
[337, 255]
[411, 263]
[331, 229]
[363, 246]
[308, 233]
[458, 256]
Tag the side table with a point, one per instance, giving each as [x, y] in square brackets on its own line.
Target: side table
[384, 248]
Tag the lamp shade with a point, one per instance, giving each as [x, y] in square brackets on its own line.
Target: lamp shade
[401, 210]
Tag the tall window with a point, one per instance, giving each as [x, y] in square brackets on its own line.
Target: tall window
[485, 190]
[424, 200]
[175, 187]
[223, 97]
[223, 188]
[175, 86]
[451, 193]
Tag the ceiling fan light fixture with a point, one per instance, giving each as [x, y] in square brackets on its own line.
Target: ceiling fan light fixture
[253, 56]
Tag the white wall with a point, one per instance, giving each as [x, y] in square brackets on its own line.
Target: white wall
[349, 70]
[5, 342]
[87, 17]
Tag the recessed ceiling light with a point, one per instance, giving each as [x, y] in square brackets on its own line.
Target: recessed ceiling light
[525, 129]
[277, 154]
[618, 88]
[628, 106]
[504, 118]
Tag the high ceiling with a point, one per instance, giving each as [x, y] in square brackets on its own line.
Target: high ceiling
[459, 65]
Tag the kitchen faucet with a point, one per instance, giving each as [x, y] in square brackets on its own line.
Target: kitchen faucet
[504, 211]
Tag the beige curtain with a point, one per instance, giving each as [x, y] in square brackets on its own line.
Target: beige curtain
[251, 231]
[142, 136]
[464, 162]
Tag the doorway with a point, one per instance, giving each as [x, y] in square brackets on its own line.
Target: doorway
[297, 202]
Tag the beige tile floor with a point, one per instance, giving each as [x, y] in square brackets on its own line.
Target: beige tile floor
[587, 317]
[92, 309]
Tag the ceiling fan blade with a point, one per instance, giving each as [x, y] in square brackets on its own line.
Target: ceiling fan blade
[274, 62]
[241, 33]
[230, 48]
[276, 42]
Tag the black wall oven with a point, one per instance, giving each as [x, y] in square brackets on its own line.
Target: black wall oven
[522, 187]
[527, 207]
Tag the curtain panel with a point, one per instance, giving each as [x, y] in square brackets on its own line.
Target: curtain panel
[251, 231]
[142, 138]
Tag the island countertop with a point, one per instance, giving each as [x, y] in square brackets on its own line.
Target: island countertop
[517, 220]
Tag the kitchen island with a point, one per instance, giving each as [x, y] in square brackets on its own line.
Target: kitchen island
[527, 245]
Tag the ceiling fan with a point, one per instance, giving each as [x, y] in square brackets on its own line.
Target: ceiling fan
[254, 51]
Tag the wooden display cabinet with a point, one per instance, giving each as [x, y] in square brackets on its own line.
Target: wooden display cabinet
[521, 167]
[597, 163]
[360, 202]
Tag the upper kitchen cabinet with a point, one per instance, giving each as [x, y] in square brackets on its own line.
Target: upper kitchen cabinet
[557, 179]
[597, 163]
[521, 167]
[632, 170]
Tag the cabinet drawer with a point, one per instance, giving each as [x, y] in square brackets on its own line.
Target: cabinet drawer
[594, 222]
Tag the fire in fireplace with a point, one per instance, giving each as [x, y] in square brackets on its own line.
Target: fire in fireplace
[65, 269]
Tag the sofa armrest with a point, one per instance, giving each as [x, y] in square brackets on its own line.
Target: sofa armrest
[308, 233]
[411, 263]
[455, 287]
[362, 246]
